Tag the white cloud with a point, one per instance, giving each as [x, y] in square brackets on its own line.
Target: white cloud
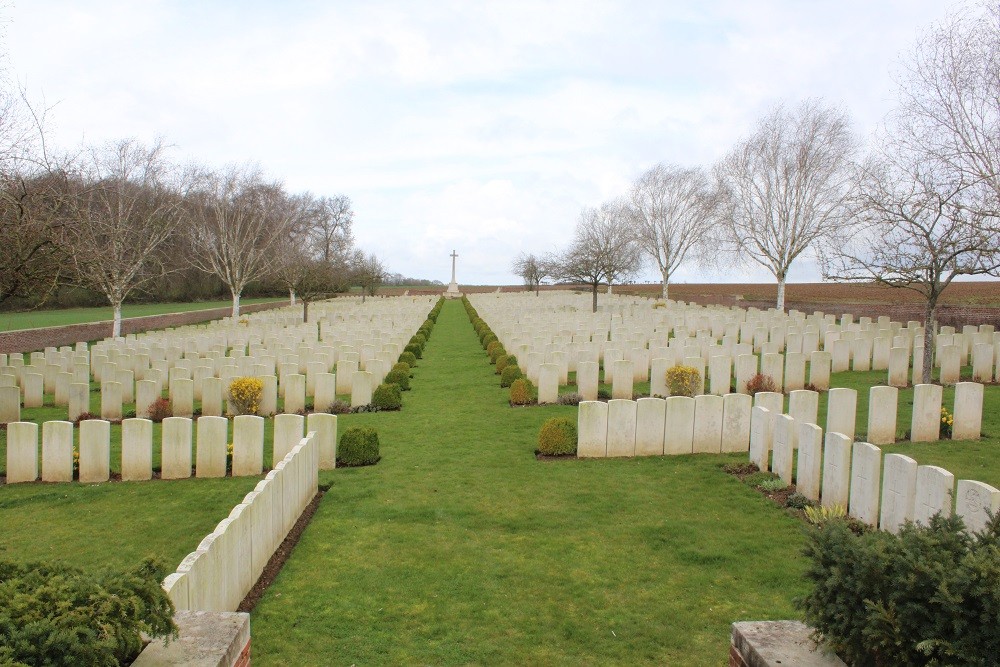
[480, 126]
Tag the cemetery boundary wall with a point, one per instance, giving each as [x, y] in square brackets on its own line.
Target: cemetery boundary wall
[28, 340]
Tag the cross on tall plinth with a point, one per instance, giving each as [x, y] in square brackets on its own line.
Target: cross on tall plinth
[452, 290]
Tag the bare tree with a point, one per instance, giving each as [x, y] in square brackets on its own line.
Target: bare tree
[32, 260]
[784, 187]
[532, 269]
[331, 220]
[603, 250]
[928, 201]
[950, 100]
[369, 273]
[671, 209]
[316, 280]
[237, 223]
[123, 207]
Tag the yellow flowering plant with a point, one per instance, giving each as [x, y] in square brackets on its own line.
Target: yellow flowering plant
[683, 380]
[245, 394]
[947, 423]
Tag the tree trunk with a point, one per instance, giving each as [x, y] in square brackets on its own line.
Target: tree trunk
[781, 293]
[609, 288]
[930, 324]
[116, 325]
[236, 303]
[595, 298]
[363, 295]
[305, 311]
[666, 284]
[291, 297]
[537, 286]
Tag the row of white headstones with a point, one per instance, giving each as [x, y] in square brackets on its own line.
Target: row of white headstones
[293, 360]
[549, 335]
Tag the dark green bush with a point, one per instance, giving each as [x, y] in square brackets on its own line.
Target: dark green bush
[400, 378]
[419, 339]
[522, 392]
[557, 437]
[413, 349]
[402, 367]
[498, 352]
[509, 374]
[504, 361]
[54, 614]
[492, 347]
[408, 358]
[387, 396]
[358, 447]
[929, 595]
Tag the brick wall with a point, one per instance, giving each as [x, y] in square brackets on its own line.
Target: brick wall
[28, 340]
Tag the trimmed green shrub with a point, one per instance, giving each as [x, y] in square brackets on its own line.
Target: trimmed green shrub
[504, 361]
[55, 614]
[928, 595]
[492, 347]
[358, 447]
[510, 374]
[408, 358]
[557, 437]
[419, 339]
[522, 392]
[399, 378]
[413, 349]
[402, 367]
[498, 352]
[387, 396]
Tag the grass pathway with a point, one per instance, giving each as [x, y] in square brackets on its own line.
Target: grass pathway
[460, 548]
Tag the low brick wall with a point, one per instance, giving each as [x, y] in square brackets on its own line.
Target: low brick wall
[29, 340]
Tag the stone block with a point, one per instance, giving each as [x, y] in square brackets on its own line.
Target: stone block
[678, 429]
[881, 346]
[248, 445]
[926, 423]
[899, 366]
[773, 366]
[861, 354]
[137, 449]
[325, 427]
[95, 450]
[345, 375]
[587, 376]
[621, 427]
[57, 451]
[820, 364]
[935, 488]
[836, 470]
[548, 383]
[708, 414]
[210, 447]
[783, 457]
[951, 364]
[145, 394]
[882, 406]
[211, 397]
[809, 469]
[182, 397]
[269, 396]
[622, 374]
[968, 414]
[803, 407]
[651, 414]
[840, 356]
[22, 452]
[361, 389]
[974, 502]
[175, 450]
[899, 492]
[294, 391]
[795, 371]
[746, 368]
[841, 411]
[761, 437]
[720, 370]
[61, 396]
[866, 463]
[10, 404]
[111, 400]
[736, 422]
[33, 386]
[288, 431]
[326, 390]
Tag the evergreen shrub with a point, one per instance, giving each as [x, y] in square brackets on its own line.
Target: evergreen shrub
[510, 373]
[358, 447]
[557, 437]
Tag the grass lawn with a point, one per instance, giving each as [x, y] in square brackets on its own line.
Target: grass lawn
[459, 547]
[56, 318]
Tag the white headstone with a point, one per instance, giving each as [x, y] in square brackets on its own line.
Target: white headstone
[736, 422]
[783, 459]
[651, 416]
[899, 488]
[210, 447]
[836, 470]
[137, 449]
[968, 415]
[882, 406]
[707, 424]
[592, 428]
[621, 427]
[678, 429]
[934, 493]
[22, 452]
[809, 468]
[974, 502]
[841, 411]
[175, 451]
[866, 463]
[57, 451]
[926, 424]
[95, 450]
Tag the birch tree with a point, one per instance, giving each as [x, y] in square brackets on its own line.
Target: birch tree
[603, 250]
[783, 188]
[671, 209]
[123, 207]
[237, 223]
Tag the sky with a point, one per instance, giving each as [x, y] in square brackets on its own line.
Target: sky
[483, 127]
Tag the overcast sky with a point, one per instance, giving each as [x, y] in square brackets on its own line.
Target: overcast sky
[479, 126]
